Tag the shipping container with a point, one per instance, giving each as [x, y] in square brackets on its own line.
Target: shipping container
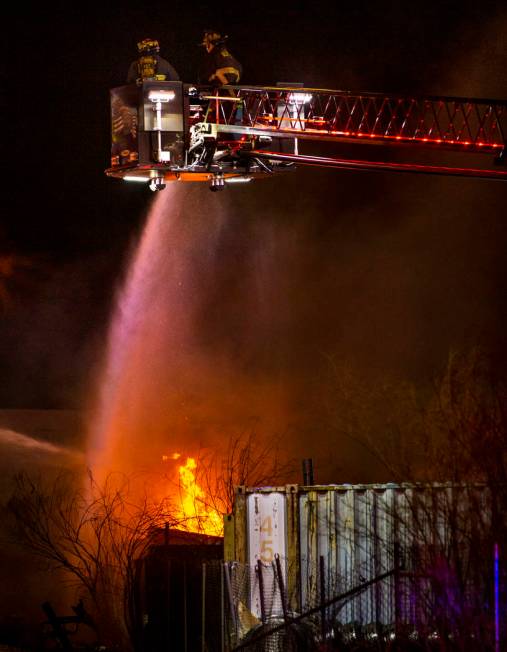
[379, 558]
[179, 593]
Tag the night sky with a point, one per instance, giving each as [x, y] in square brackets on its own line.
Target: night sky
[386, 271]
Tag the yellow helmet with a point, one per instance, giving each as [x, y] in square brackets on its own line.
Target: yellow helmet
[148, 46]
[213, 37]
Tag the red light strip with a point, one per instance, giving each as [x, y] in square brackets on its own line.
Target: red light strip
[355, 134]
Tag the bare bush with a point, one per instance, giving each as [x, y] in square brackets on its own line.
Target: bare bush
[96, 534]
[248, 461]
[449, 440]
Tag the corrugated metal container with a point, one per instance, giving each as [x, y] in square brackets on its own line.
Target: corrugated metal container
[331, 539]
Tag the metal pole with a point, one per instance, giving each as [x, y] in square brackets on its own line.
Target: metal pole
[185, 623]
[294, 124]
[261, 591]
[168, 605]
[308, 472]
[231, 600]
[348, 164]
[203, 611]
[496, 573]
[281, 585]
[158, 129]
[222, 611]
[322, 599]
[397, 605]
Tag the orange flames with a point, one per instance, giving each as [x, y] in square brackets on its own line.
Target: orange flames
[174, 456]
[194, 511]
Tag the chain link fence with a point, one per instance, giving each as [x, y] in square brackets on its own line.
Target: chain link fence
[403, 608]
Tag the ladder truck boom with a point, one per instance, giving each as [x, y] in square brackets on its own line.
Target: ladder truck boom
[165, 131]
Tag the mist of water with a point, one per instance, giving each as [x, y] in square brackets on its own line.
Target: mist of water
[177, 375]
[16, 440]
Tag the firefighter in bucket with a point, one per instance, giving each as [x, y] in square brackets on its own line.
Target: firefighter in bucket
[150, 65]
[220, 68]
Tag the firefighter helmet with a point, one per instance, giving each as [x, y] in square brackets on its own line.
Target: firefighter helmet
[148, 46]
[213, 37]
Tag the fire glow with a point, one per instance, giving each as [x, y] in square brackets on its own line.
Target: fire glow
[174, 456]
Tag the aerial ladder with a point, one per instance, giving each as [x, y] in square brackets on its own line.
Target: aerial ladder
[164, 131]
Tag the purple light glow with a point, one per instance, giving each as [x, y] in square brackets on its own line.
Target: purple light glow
[496, 555]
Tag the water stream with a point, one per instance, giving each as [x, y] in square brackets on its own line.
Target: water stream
[177, 374]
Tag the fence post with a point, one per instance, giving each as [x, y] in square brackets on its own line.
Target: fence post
[203, 613]
[281, 586]
[222, 610]
[240, 526]
[293, 585]
[397, 566]
[231, 599]
[496, 573]
[261, 591]
[185, 607]
[322, 599]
